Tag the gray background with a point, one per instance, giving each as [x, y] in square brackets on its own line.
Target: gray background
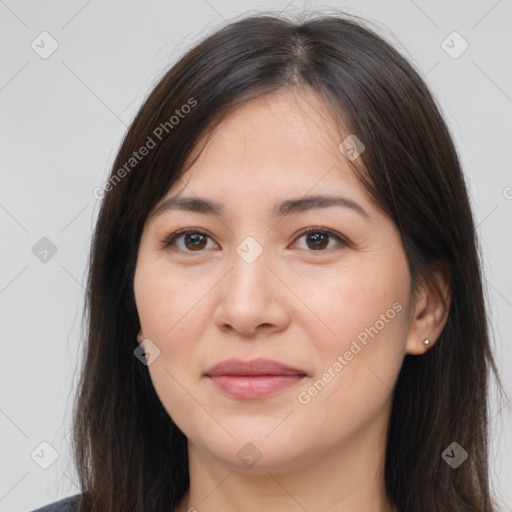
[62, 119]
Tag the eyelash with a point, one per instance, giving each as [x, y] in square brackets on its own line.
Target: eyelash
[169, 241]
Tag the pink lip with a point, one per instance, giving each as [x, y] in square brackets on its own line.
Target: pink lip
[253, 379]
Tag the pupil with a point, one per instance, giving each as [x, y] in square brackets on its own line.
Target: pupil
[317, 239]
[196, 239]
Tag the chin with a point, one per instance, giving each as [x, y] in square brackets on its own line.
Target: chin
[254, 451]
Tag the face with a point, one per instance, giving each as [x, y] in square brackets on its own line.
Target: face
[246, 282]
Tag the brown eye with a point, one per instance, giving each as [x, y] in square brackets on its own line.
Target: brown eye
[319, 239]
[187, 241]
[190, 240]
[195, 241]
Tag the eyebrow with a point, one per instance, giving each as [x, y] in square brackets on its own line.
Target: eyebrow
[281, 209]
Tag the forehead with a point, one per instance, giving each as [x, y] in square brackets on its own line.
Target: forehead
[278, 145]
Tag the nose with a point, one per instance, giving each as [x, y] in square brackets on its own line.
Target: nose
[252, 299]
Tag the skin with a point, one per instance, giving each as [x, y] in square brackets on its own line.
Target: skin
[294, 304]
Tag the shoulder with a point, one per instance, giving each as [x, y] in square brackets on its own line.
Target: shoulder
[69, 504]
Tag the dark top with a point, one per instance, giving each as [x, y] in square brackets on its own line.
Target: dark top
[69, 504]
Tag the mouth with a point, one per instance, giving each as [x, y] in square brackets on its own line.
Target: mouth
[253, 379]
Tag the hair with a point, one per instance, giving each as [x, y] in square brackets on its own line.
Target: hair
[128, 452]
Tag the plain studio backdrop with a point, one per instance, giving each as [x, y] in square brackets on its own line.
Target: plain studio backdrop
[73, 76]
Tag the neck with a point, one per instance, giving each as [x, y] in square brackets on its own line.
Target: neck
[349, 478]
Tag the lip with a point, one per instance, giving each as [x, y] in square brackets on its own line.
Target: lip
[253, 379]
[238, 367]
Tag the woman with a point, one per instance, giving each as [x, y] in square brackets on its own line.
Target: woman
[284, 305]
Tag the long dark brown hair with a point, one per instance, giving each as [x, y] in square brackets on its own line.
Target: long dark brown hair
[129, 454]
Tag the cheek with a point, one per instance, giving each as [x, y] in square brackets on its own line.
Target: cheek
[359, 359]
[165, 301]
[360, 362]
[170, 316]
[352, 302]
[173, 312]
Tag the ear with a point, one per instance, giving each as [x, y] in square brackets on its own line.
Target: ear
[431, 308]
[140, 336]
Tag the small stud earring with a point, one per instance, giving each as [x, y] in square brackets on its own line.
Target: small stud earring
[427, 342]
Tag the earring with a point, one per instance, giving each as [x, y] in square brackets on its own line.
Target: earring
[426, 342]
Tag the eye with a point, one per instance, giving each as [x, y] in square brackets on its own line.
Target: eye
[188, 240]
[194, 240]
[318, 239]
